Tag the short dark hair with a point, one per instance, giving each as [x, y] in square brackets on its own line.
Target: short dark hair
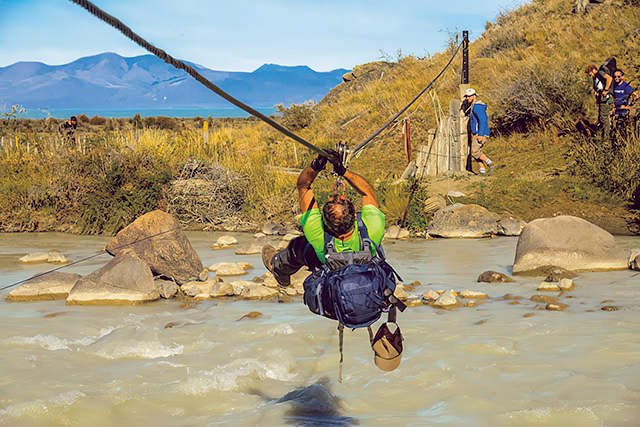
[338, 215]
[590, 68]
[621, 72]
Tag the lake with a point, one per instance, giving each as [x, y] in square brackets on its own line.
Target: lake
[501, 363]
[184, 113]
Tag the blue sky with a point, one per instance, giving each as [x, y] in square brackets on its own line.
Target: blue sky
[241, 35]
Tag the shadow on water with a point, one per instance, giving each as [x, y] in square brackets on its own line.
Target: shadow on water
[312, 406]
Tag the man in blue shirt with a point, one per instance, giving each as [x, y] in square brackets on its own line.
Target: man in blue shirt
[479, 129]
[621, 92]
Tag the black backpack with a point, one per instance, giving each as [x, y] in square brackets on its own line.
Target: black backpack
[352, 287]
[609, 66]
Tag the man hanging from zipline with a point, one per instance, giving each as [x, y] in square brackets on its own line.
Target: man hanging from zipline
[338, 218]
[351, 282]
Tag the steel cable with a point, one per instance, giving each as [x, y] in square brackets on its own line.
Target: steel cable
[118, 25]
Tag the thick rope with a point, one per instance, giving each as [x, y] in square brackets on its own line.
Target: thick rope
[100, 252]
[360, 147]
[118, 25]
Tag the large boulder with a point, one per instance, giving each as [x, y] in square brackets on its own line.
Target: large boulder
[458, 220]
[126, 279]
[49, 286]
[159, 241]
[566, 242]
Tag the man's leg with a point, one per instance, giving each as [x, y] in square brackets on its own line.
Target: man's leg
[282, 264]
[604, 120]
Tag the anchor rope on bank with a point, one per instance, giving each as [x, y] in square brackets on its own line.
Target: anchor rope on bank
[101, 252]
[363, 144]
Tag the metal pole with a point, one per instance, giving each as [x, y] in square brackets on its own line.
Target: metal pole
[465, 57]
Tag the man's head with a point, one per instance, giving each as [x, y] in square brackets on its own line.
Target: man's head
[618, 75]
[470, 94]
[591, 70]
[74, 121]
[338, 215]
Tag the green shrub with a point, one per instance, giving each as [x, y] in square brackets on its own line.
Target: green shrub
[97, 121]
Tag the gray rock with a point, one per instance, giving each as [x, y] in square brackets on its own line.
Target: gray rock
[467, 294]
[567, 242]
[126, 279]
[167, 288]
[197, 289]
[395, 232]
[557, 274]
[491, 276]
[49, 286]
[231, 269]
[447, 300]
[464, 221]
[157, 238]
[634, 260]
[221, 289]
[548, 287]
[53, 257]
[430, 295]
[508, 226]
[271, 228]
[225, 242]
[566, 284]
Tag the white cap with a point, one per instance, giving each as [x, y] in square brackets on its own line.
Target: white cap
[470, 92]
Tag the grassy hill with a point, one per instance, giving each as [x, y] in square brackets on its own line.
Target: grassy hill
[527, 66]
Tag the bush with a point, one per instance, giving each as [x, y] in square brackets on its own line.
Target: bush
[540, 96]
[296, 117]
[611, 165]
[97, 121]
[168, 123]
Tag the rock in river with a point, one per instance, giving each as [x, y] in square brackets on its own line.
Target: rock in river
[567, 242]
[49, 286]
[159, 241]
[126, 279]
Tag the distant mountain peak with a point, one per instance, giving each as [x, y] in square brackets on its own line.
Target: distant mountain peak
[110, 81]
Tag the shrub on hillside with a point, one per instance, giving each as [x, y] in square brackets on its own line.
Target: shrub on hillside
[541, 96]
[97, 121]
[168, 123]
[611, 164]
[296, 117]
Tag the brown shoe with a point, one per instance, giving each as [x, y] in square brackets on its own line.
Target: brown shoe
[268, 253]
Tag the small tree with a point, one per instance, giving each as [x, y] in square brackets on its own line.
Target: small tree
[296, 117]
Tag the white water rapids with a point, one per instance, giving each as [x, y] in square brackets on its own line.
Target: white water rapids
[490, 365]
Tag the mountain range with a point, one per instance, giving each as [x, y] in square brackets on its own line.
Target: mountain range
[110, 81]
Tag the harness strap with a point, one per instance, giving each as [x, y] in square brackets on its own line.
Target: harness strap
[370, 334]
[340, 340]
[391, 317]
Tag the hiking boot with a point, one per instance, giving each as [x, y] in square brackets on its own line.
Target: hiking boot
[268, 253]
[492, 167]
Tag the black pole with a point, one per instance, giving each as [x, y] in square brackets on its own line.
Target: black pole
[465, 57]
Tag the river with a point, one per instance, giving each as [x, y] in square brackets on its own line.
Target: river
[167, 364]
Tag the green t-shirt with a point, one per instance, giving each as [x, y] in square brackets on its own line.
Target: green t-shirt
[313, 230]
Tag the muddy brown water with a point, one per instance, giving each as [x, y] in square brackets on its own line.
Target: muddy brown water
[496, 364]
